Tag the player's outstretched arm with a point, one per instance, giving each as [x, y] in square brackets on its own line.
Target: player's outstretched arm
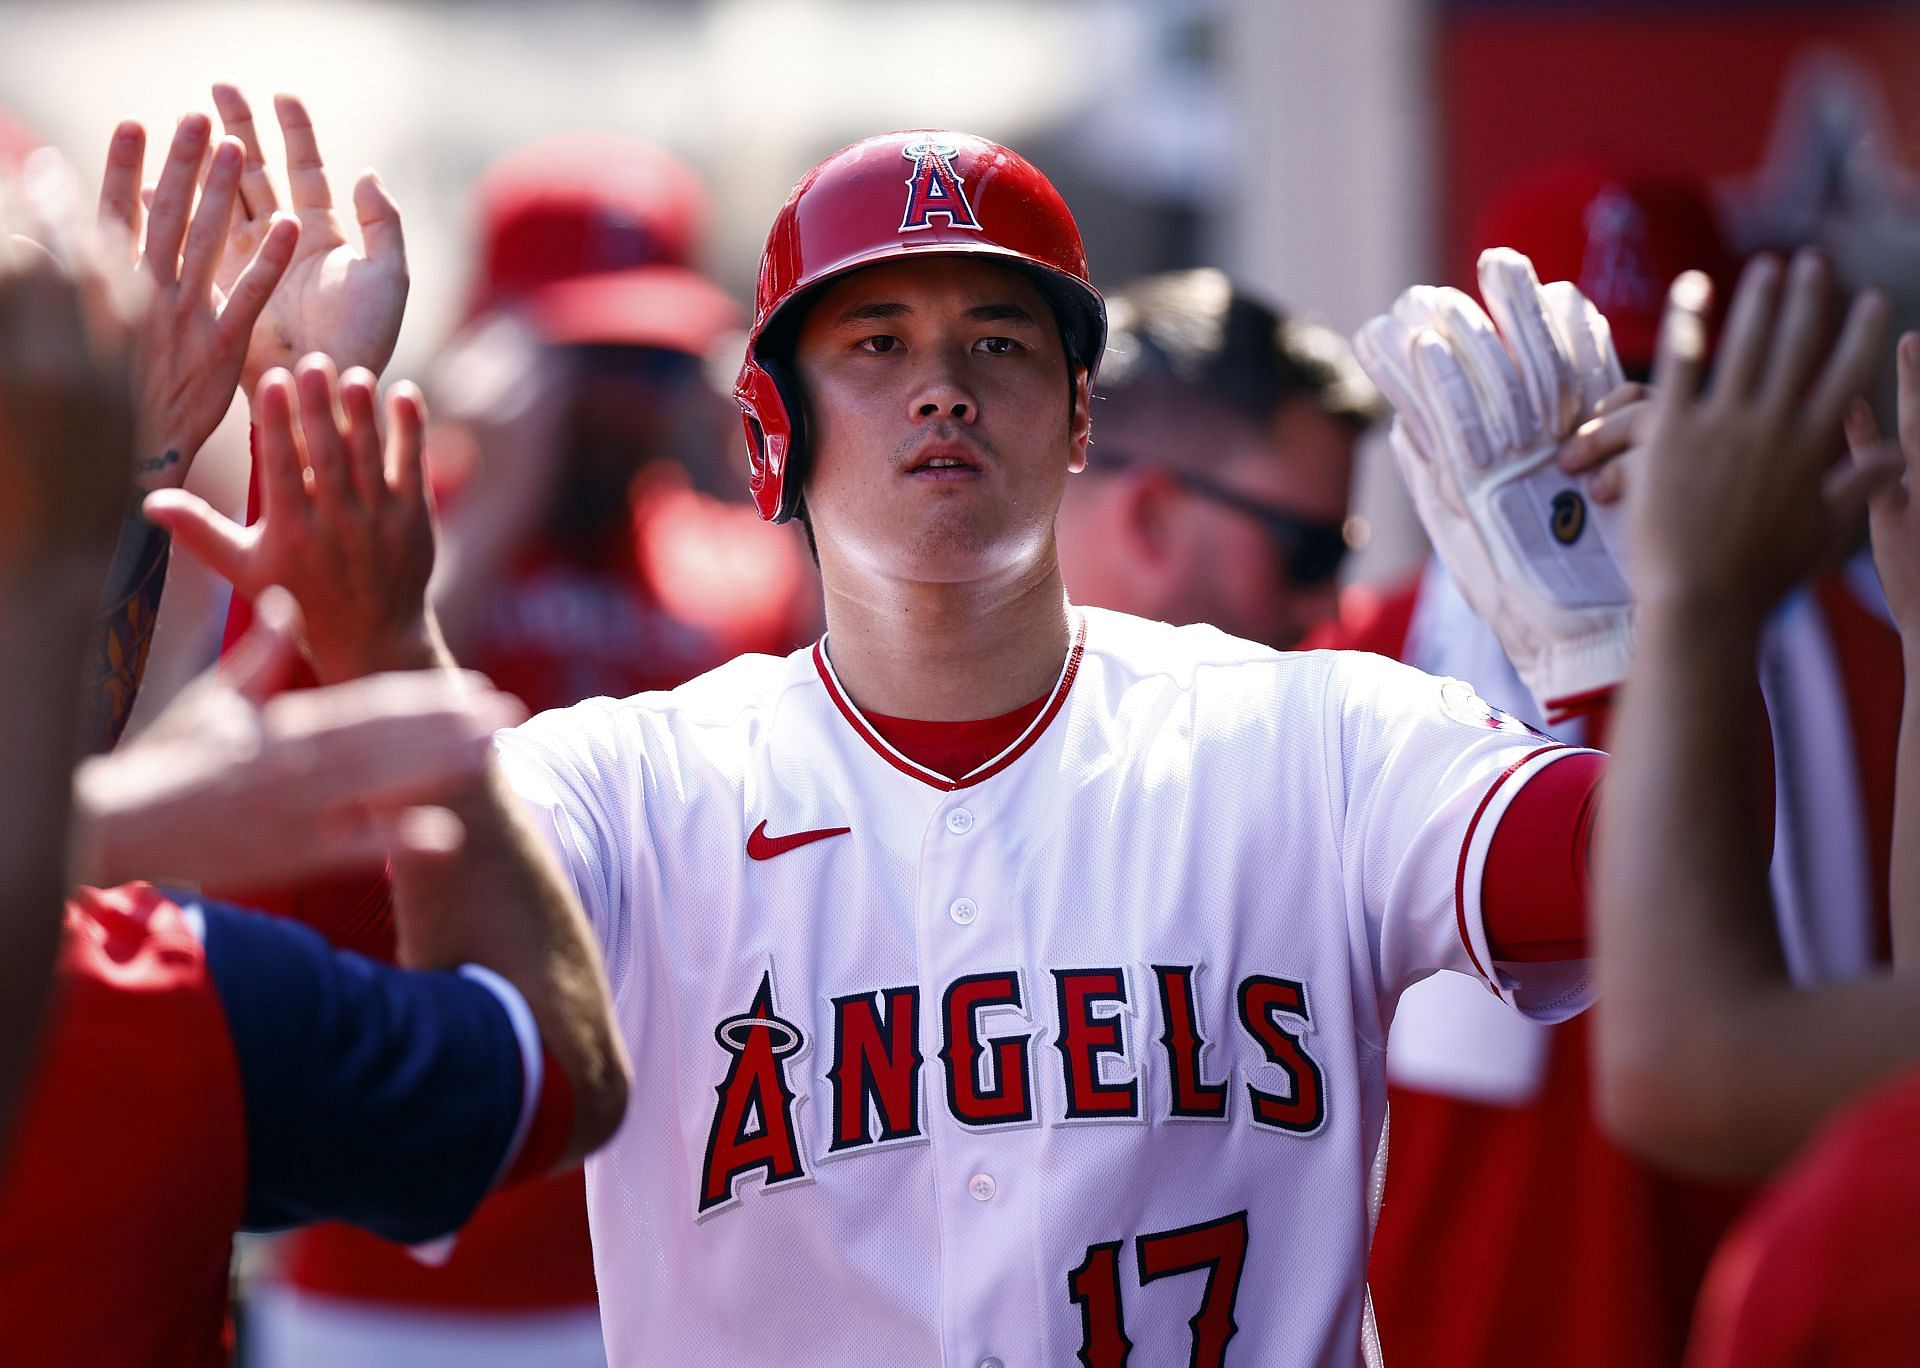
[66, 450]
[502, 901]
[1894, 516]
[192, 339]
[346, 526]
[1708, 1057]
[238, 783]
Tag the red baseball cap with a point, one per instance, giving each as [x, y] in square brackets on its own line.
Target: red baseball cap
[17, 139]
[593, 236]
[1621, 235]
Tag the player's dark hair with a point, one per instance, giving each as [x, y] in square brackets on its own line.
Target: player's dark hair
[1186, 336]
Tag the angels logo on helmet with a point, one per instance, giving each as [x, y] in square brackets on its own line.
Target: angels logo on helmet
[935, 188]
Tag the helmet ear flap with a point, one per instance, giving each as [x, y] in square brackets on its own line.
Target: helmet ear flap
[772, 422]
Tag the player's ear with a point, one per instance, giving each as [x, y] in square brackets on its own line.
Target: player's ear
[1080, 421]
[1147, 503]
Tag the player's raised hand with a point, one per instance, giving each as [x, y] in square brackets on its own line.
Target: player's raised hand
[200, 318]
[1740, 495]
[344, 523]
[1483, 410]
[337, 298]
[1893, 513]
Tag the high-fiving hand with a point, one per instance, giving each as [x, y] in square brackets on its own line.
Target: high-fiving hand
[197, 330]
[1739, 496]
[1893, 513]
[344, 521]
[337, 298]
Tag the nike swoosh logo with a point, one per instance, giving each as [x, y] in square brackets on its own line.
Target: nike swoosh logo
[761, 846]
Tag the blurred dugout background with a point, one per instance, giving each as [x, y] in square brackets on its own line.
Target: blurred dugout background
[1327, 154]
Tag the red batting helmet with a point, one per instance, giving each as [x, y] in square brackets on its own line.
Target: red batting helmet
[898, 195]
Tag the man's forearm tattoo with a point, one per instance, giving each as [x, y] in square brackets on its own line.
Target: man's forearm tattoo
[153, 465]
[123, 628]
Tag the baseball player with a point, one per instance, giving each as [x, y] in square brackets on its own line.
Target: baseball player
[1007, 982]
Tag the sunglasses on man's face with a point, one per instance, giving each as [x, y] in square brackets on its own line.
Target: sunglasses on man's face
[1311, 549]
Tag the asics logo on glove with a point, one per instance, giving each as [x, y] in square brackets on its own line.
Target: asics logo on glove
[1569, 516]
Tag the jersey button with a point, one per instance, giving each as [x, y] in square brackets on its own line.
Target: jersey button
[991, 1363]
[960, 821]
[963, 910]
[982, 1186]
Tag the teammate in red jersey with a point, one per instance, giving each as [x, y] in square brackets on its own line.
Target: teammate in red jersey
[1693, 1066]
[1496, 1149]
[265, 1079]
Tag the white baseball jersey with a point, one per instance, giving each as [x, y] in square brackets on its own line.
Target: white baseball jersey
[1075, 1059]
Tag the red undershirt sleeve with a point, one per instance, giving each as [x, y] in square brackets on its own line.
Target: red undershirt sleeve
[1533, 892]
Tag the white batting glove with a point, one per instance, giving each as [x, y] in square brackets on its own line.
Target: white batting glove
[1479, 413]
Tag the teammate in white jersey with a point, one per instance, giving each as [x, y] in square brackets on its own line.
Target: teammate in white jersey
[1006, 984]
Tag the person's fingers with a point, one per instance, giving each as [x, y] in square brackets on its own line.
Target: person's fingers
[1625, 393]
[1801, 332]
[1384, 348]
[406, 443]
[1862, 428]
[173, 198]
[380, 230]
[212, 218]
[1850, 365]
[1461, 427]
[257, 281]
[365, 464]
[1599, 440]
[1589, 338]
[283, 485]
[1846, 492]
[210, 537]
[1609, 483]
[319, 387]
[1680, 356]
[1749, 328]
[262, 662]
[1532, 335]
[120, 209]
[306, 173]
[1907, 362]
[392, 739]
[257, 195]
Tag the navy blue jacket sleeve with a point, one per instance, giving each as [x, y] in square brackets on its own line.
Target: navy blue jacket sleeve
[386, 1097]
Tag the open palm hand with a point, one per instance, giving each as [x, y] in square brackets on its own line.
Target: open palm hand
[336, 297]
